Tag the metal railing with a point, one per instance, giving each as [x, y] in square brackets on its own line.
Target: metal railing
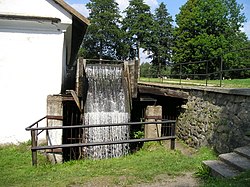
[36, 130]
[204, 69]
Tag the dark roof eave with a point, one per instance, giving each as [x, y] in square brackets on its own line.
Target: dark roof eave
[72, 11]
[29, 18]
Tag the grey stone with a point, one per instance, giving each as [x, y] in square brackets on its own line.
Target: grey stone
[222, 128]
[243, 151]
[220, 169]
[221, 147]
[236, 160]
[222, 118]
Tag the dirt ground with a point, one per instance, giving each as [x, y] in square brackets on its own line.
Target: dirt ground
[185, 180]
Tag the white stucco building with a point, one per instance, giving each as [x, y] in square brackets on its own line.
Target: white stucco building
[39, 41]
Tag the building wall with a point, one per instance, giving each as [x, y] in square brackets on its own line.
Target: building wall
[31, 62]
[42, 8]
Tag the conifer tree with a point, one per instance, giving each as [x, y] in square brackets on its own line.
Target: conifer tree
[137, 25]
[161, 38]
[104, 36]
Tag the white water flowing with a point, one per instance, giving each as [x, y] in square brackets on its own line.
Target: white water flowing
[106, 104]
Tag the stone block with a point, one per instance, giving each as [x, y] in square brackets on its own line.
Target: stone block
[54, 108]
[153, 130]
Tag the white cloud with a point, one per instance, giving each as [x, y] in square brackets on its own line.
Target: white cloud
[81, 8]
[122, 4]
[143, 56]
[246, 29]
[152, 3]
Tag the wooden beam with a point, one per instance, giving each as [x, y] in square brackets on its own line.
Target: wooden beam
[68, 98]
[76, 99]
[163, 92]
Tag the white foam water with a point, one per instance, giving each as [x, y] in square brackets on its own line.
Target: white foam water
[106, 104]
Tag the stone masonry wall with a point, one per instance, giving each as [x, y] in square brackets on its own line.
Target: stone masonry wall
[220, 120]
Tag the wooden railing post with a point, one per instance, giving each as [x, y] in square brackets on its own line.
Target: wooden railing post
[172, 144]
[34, 144]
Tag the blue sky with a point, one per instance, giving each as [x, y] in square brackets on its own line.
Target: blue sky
[172, 5]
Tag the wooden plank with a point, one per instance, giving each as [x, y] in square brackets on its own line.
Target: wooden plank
[55, 117]
[68, 98]
[57, 150]
[76, 99]
[163, 91]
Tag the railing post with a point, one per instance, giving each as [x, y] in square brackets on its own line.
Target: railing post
[221, 69]
[180, 73]
[34, 144]
[172, 144]
[206, 72]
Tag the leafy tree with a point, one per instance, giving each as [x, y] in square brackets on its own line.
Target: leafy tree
[205, 30]
[137, 25]
[236, 62]
[161, 38]
[150, 70]
[104, 36]
[238, 39]
[145, 69]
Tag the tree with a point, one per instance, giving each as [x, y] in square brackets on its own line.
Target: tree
[145, 69]
[148, 70]
[104, 36]
[161, 38]
[238, 40]
[205, 30]
[137, 25]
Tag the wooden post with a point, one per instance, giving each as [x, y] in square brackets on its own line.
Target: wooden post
[172, 144]
[34, 144]
[221, 70]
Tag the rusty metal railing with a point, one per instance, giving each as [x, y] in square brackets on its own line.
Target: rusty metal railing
[36, 130]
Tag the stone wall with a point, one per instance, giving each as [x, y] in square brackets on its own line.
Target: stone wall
[218, 119]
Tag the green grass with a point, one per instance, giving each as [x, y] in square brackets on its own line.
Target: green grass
[234, 83]
[240, 181]
[141, 167]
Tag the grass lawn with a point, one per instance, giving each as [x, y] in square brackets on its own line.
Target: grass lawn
[141, 167]
[234, 83]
